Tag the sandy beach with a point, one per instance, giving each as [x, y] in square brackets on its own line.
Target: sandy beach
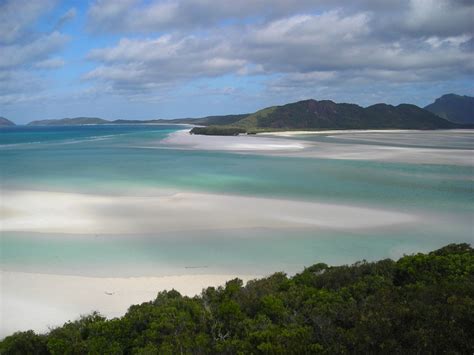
[41, 301]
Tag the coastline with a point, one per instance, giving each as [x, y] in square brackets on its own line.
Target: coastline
[287, 144]
[40, 301]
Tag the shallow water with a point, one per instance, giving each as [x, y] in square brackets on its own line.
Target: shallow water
[109, 160]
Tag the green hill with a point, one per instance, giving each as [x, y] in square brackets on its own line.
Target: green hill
[4, 122]
[312, 114]
[420, 304]
[69, 121]
[455, 108]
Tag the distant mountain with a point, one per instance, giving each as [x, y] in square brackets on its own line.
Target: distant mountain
[455, 108]
[326, 114]
[69, 121]
[208, 120]
[317, 115]
[4, 122]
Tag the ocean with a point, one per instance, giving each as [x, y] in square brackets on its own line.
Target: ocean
[133, 160]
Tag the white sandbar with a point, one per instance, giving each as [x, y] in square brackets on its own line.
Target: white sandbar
[237, 143]
[74, 213]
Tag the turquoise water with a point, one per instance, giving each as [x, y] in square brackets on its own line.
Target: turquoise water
[109, 159]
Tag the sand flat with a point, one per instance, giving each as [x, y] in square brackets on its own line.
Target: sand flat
[242, 143]
[285, 144]
[74, 213]
[39, 301]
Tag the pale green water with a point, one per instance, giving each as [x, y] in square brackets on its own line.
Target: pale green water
[106, 159]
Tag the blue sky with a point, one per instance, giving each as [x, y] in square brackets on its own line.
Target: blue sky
[136, 59]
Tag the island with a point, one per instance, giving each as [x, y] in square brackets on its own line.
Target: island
[448, 112]
[4, 122]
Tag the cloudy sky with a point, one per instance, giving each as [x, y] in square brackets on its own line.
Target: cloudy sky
[142, 59]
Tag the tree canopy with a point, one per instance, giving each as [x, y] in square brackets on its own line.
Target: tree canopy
[422, 303]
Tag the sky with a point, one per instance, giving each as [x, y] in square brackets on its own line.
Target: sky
[146, 59]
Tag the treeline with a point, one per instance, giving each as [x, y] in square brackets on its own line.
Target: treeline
[218, 131]
[420, 304]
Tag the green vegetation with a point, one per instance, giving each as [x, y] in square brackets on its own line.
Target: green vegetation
[328, 115]
[312, 114]
[454, 108]
[218, 131]
[421, 304]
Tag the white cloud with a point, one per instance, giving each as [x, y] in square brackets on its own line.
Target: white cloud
[14, 55]
[69, 15]
[152, 16]
[135, 64]
[17, 17]
[439, 17]
[26, 51]
[331, 48]
[52, 63]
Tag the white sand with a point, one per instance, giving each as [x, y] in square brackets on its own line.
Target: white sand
[388, 154]
[264, 144]
[61, 212]
[333, 131]
[39, 301]
[233, 143]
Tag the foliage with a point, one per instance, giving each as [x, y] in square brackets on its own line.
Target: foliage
[218, 131]
[326, 114]
[422, 303]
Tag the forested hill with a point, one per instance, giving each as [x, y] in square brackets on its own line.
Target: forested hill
[455, 108]
[420, 304]
[306, 114]
[330, 115]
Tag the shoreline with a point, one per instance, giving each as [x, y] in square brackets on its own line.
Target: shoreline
[346, 131]
[38, 301]
[286, 144]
